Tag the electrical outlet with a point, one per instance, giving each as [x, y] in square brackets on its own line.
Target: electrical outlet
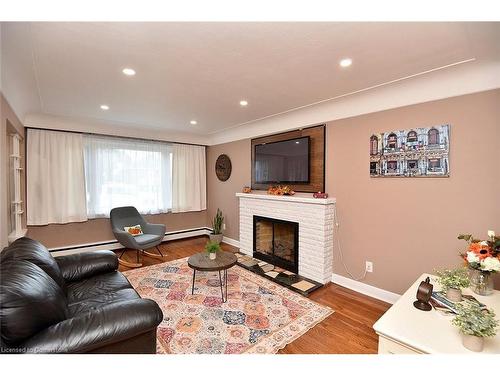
[369, 266]
[224, 226]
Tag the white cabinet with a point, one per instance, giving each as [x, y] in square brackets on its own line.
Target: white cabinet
[403, 329]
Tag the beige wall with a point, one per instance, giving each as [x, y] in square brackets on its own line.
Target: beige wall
[409, 226]
[97, 230]
[7, 115]
[222, 194]
[404, 226]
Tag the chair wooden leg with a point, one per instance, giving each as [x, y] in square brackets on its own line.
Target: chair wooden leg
[129, 264]
[157, 256]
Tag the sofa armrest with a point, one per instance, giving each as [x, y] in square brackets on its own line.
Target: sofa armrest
[84, 265]
[104, 326]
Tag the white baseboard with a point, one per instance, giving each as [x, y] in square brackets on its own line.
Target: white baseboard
[114, 245]
[231, 241]
[369, 290]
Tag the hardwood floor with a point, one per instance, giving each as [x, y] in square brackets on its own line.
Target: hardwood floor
[347, 330]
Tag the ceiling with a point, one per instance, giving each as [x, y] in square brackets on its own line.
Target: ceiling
[200, 71]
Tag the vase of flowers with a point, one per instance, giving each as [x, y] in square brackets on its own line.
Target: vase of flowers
[474, 324]
[483, 260]
[452, 282]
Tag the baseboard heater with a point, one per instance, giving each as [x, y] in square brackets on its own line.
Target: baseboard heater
[115, 245]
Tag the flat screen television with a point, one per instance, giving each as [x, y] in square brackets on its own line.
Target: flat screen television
[282, 162]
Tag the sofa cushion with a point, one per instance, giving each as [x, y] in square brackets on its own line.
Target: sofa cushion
[30, 301]
[101, 300]
[96, 286]
[34, 252]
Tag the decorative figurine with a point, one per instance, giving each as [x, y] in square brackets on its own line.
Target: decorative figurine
[321, 195]
[247, 189]
[424, 294]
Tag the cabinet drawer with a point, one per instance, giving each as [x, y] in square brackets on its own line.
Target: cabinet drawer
[387, 346]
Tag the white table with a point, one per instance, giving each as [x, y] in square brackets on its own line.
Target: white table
[405, 329]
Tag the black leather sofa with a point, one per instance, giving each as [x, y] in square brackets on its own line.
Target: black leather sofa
[71, 304]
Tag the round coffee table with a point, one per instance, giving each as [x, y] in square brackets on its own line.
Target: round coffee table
[223, 261]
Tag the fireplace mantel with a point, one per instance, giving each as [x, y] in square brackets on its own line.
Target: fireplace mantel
[298, 197]
[315, 218]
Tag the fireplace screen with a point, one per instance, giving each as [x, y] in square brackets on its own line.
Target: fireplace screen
[276, 242]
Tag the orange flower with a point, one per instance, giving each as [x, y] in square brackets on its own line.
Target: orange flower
[475, 247]
[482, 251]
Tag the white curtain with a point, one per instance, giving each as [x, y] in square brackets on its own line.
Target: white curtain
[55, 178]
[127, 172]
[189, 178]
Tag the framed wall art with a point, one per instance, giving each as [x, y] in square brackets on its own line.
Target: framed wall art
[418, 152]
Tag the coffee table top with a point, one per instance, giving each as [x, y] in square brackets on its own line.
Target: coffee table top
[202, 262]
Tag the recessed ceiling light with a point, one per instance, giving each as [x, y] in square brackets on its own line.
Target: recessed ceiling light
[344, 63]
[243, 103]
[104, 107]
[193, 122]
[297, 142]
[129, 72]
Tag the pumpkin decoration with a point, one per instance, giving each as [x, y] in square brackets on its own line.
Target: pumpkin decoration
[280, 190]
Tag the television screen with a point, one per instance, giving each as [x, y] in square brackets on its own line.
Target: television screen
[282, 162]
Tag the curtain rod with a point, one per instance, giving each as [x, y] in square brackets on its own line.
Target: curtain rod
[113, 136]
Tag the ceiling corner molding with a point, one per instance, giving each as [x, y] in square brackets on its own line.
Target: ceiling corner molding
[455, 81]
[53, 122]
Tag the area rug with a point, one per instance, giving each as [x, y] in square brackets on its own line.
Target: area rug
[259, 316]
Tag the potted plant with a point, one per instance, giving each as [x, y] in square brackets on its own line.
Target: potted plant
[452, 282]
[212, 248]
[474, 324]
[216, 235]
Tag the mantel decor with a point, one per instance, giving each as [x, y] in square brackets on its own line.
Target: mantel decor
[280, 190]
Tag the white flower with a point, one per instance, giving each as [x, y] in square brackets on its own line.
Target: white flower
[484, 243]
[491, 233]
[490, 264]
[472, 257]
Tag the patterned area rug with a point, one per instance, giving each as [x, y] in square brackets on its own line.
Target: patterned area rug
[260, 316]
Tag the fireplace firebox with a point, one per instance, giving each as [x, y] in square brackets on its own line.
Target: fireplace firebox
[276, 242]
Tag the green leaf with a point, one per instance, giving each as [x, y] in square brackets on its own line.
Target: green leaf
[465, 237]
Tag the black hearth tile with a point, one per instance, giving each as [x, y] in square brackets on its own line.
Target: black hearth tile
[284, 278]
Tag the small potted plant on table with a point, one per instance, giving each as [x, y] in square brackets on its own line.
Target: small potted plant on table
[212, 248]
[216, 235]
[453, 281]
[474, 324]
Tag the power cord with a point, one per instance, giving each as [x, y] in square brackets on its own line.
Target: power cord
[337, 235]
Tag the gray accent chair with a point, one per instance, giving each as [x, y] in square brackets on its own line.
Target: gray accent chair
[153, 233]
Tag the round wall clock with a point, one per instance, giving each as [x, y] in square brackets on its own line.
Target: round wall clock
[223, 167]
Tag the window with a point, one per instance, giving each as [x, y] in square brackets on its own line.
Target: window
[434, 165]
[392, 140]
[412, 136]
[433, 135]
[124, 172]
[412, 164]
[373, 145]
[392, 166]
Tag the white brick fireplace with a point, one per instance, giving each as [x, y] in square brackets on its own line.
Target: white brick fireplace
[315, 218]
